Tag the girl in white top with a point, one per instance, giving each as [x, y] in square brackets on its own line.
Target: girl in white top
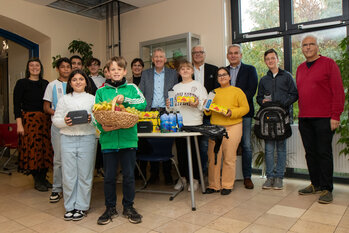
[192, 115]
[77, 146]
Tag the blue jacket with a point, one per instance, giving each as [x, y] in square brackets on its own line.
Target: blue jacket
[247, 81]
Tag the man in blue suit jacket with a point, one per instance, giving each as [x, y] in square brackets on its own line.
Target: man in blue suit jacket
[155, 84]
[245, 77]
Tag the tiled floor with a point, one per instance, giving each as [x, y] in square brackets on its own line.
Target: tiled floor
[23, 209]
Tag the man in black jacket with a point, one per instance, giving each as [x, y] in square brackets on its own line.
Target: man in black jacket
[205, 74]
[277, 86]
[244, 77]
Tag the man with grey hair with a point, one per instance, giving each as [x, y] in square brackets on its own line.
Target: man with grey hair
[206, 74]
[244, 77]
[155, 84]
[203, 72]
[321, 102]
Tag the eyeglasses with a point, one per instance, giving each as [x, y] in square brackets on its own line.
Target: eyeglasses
[222, 75]
[198, 52]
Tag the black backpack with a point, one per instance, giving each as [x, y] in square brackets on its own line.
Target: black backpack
[272, 122]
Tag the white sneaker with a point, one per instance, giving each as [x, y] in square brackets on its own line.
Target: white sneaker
[180, 183]
[195, 185]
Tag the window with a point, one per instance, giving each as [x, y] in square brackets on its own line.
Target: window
[259, 14]
[328, 41]
[253, 53]
[310, 10]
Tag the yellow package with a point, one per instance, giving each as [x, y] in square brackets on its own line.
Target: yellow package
[185, 99]
[217, 108]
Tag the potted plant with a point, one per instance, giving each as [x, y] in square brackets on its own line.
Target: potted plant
[343, 64]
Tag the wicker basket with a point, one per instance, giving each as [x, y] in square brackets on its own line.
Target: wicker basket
[118, 119]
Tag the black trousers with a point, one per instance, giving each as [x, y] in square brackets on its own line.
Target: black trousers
[317, 137]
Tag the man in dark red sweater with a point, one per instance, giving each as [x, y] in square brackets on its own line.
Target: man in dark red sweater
[321, 102]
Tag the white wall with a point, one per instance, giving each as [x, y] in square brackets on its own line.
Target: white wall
[203, 17]
[52, 29]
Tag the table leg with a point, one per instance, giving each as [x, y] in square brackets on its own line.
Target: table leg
[190, 166]
[199, 164]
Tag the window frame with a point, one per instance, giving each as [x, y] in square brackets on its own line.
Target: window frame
[286, 29]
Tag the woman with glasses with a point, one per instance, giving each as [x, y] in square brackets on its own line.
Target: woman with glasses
[234, 100]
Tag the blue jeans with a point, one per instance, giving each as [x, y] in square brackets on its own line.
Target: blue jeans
[78, 159]
[57, 161]
[246, 147]
[278, 170]
[127, 159]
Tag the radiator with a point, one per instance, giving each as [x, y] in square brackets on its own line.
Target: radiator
[296, 153]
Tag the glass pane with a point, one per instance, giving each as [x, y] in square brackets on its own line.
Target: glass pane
[310, 10]
[328, 41]
[259, 14]
[253, 53]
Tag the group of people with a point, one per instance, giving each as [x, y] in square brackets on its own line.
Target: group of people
[318, 88]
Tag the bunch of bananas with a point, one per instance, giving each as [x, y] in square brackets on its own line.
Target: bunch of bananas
[102, 106]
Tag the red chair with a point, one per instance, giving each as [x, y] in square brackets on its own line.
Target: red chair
[8, 140]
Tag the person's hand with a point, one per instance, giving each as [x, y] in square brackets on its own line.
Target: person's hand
[89, 118]
[20, 130]
[334, 124]
[195, 103]
[167, 103]
[228, 114]
[265, 100]
[68, 121]
[120, 99]
[108, 128]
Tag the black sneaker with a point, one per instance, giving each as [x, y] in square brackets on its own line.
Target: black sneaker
[107, 216]
[55, 197]
[69, 215]
[310, 189]
[79, 214]
[132, 215]
[325, 197]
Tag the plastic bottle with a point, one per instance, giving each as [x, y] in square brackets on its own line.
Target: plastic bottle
[173, 122]
[164, 119]
[171, 95]
[209, 100]
[179, 121]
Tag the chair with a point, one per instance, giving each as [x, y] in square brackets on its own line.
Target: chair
[160, 151]
[8, 140]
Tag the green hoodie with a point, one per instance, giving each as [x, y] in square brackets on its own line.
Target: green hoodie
[120, 138]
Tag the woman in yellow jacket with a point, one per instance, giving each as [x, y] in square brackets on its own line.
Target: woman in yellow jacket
[234, 100]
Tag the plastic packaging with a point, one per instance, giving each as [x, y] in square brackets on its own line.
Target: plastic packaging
[179, 120]
[164, 123]
[171, 95]
[172, 122]
[209, 100]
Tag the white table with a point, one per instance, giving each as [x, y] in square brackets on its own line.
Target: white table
[186, 135]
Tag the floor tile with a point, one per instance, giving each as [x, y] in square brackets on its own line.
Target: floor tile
[286, 211]
[198, 218]
[244, 214]
[302, 226]
[228, 225]
[177, 226]
[257, 228]
[11, 226]
[321, 217]
[276, 221]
